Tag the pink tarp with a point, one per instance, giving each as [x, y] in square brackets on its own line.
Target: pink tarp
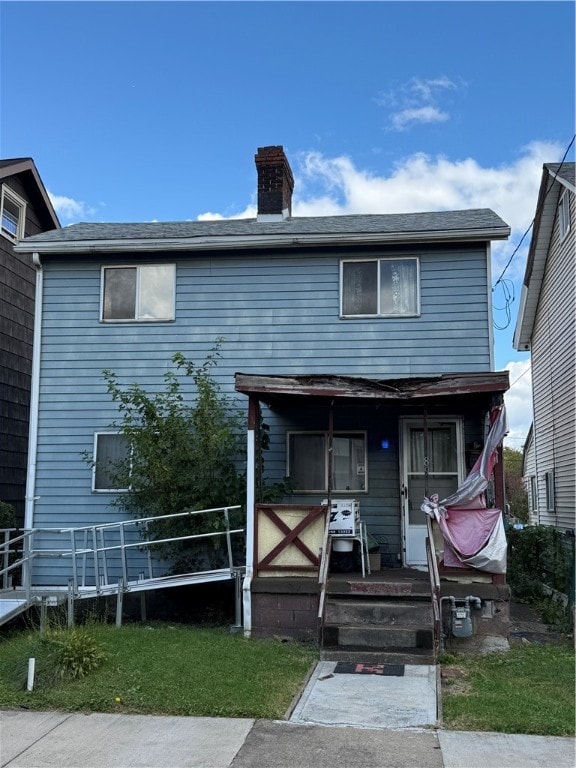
[473, 535]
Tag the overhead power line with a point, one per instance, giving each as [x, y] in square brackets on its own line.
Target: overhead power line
[507, 285]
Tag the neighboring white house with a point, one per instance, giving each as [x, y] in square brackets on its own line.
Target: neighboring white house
[546, 327]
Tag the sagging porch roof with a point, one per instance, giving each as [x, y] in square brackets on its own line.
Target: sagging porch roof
[273, 389]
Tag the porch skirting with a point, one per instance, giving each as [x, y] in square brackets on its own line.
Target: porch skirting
[285, 608]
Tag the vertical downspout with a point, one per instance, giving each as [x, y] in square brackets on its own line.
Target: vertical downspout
[253, 408]
[489, 302]
[34, 396]
[33, 421]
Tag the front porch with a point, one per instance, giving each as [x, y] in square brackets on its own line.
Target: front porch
[361, 456]
[383, 617]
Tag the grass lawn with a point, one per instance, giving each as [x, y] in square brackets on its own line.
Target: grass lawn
[529, 689]
[163, 669]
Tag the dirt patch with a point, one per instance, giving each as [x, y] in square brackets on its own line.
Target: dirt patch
[527, 627]
[454, 680]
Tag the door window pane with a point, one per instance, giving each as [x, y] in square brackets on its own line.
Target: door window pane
[442, 449]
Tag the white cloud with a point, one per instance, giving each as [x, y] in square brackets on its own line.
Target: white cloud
[518, 402]
[426, 114]
[248, 213]
[68, 209]
[419, 182]
[417, 101]
[331, 186]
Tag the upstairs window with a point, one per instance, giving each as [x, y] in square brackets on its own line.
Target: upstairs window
[111, 455]
[308, 461]
[380, 288]
[564, 214]
[13, 215]
[144, 293]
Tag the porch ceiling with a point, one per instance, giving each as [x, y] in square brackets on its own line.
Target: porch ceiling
[276, 389]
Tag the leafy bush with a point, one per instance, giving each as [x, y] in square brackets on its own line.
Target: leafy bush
[541, 559]
[184, 456]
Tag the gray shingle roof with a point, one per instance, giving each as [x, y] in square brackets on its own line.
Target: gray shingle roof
[385, 224]
[566, 171]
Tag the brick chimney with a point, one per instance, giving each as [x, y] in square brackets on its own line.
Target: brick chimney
[275, 184]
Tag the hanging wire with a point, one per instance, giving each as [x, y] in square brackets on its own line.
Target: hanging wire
[507, 285]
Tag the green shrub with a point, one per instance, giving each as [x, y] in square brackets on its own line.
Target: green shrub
[71, 653]
[7, 515]
[61, 655]
[540, 559]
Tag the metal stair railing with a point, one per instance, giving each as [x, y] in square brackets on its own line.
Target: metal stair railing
[323, 574]
[434, 576]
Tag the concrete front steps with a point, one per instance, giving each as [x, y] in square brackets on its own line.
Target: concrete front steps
[369, 629]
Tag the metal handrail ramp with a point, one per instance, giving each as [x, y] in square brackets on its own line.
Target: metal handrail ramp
[102, 561]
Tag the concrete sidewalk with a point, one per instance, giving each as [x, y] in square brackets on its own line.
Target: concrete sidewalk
[341, 720]
[60, 740]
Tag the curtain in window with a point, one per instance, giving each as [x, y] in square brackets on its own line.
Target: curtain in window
[398, 287]
[441, 449]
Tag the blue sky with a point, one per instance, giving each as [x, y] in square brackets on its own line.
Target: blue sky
[141, 111]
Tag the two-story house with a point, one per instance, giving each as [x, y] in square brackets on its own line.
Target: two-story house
[366, 341]
[25, 210]
[546, 327]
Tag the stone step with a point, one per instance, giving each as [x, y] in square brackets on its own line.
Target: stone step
[378, 655]
[381, 612]
[372, 636]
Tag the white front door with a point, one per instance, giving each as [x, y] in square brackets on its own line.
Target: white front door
[435, 468]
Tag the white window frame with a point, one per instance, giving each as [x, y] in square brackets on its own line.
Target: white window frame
[379, 313]
[533, 486]
[564, 214]
[550, 491]
[139, 270]
[324, 433]
[95, 454]
[20, 204]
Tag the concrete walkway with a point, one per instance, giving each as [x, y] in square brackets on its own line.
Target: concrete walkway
[341, 721]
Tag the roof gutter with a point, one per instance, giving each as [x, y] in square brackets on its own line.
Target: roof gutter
[144, 245]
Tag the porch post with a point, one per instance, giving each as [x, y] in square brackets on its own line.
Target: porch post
[330, 452]
[253, 420]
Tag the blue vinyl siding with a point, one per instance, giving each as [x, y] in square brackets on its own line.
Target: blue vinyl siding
[278, 314]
